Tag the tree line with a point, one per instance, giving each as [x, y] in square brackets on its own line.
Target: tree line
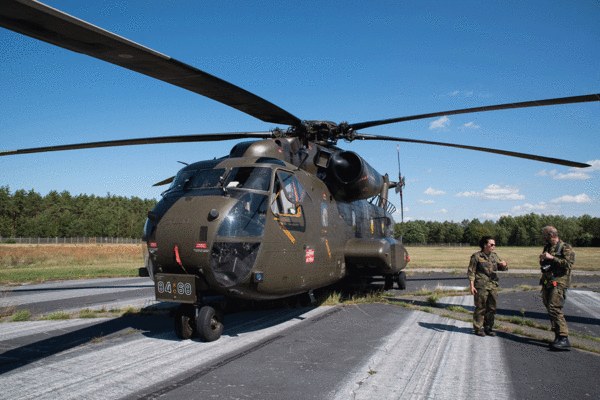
[28, 214]
[525, 230]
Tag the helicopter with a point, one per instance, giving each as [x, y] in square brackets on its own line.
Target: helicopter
[286, 212]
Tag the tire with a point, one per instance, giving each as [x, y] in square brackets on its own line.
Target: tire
[401, 280]
[388, 282]
[209, 324]
[184, 322]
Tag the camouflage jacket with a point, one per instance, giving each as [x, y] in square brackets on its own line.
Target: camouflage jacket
[483, 268]
[560, 266]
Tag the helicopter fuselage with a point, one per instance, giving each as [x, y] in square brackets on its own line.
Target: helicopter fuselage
[263, 223]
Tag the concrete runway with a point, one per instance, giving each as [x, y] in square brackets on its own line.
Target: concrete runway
[369, 351]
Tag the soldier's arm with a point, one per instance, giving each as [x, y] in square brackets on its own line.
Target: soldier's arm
[564, 262]
[502, 265]
[472, 268]
[543, 262]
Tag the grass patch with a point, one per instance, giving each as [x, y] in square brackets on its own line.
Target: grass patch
[432, 301]
[527, 287]
[56, 316]
[518, 331]
[334, 299]
[20, 316]
[130, 312]
[458, 309]
[87, 313]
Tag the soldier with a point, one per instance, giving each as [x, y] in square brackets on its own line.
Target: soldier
[556, 262]
[483, 275]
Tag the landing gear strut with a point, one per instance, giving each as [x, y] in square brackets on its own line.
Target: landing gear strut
[202, 321]
[399, 279]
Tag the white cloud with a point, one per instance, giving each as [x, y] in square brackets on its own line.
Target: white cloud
[454, 93]
[425, 201]
[468, 194]
[440, 123]
[576, 174]
[494, 216]
[442, 211]
[432, 192]
[572, 176]
[495, 192]
[580, 198]
[471, 125]
[528, 208]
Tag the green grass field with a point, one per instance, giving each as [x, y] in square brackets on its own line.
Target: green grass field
[39, 263]
[586, 258]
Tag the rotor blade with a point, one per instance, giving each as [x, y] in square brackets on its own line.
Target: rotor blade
[535, 103]
[165, 182]
[494, 151]
[208, 137]
[55, 27]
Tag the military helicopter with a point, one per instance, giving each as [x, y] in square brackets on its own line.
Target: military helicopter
[283, 214]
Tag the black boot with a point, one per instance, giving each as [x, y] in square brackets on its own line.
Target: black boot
[562, 343]
[556, 337]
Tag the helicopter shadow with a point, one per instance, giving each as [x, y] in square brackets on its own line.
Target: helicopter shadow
[252, 321]
[26, 350]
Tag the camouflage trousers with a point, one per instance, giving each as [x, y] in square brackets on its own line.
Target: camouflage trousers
[485, 307]
[554, 300]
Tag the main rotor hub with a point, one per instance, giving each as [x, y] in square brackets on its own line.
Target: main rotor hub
[323, 132]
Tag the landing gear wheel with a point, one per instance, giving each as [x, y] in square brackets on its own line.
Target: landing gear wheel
[185, 321]
[401, 280]
[388, 282]
[209, 324]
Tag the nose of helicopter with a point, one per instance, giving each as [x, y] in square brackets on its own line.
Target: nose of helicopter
[216, 237]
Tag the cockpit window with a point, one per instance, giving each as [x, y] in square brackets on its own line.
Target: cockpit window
[257, 178]
[288, 194]
[197, 179]
[292, 188]
[206, 178]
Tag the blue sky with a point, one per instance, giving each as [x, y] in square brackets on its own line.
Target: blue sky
[346, 60]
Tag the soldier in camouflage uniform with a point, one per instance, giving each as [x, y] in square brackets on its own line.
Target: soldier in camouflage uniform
[483, 275]
[556, 262]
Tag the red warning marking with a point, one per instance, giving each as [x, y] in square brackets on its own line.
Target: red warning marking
[310, 256]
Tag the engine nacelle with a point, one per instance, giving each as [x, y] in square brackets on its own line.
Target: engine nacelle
[351, 178]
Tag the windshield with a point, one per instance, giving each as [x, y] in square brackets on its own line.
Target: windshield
[247, 217]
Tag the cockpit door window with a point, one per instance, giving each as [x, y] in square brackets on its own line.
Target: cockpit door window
[288, 194]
